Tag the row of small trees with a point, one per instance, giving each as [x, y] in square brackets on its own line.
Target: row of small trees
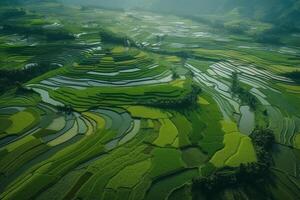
[243, 94]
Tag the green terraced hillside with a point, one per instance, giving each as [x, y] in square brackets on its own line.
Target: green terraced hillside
[113, 104]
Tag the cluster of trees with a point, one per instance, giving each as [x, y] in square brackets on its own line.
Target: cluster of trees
[229, 177]
[58, 35]
[245, 174]
[21, 90]
[263, 140]
[111, 37]
[14, 78]
[243, 94]
[68, 109]
[175, 75]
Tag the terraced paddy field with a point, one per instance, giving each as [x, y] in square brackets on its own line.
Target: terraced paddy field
[135, 115]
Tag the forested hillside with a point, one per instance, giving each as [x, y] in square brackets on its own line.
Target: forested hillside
[283, 13]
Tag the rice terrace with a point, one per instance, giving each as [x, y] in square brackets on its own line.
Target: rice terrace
[155, 100]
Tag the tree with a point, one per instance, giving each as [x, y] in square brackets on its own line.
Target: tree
[175, 75]
[68, 109]
[235, 83]
[263, 138]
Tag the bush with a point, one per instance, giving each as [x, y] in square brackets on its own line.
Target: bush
[67, 109]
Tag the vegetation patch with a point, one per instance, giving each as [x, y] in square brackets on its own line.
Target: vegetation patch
[12, 78]
[295, 75]
[245, 175]
[245, 96]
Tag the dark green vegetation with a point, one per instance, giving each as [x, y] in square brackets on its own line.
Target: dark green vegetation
[252, 180]
[295, 75]
[14, 78]
[245, 95]
[113, 104]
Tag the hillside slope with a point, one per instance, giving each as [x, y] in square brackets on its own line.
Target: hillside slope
[281, 12]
